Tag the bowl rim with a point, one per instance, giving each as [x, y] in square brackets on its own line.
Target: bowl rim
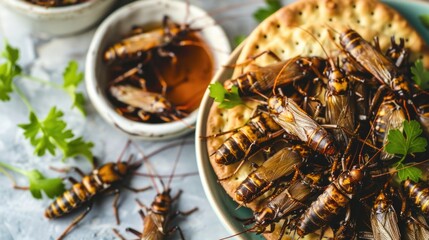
[23, 5]
[103, 106]
[205, 169]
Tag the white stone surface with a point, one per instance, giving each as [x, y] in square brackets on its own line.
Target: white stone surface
[21, 216]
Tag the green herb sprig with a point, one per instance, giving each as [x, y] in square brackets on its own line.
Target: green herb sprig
[38, 183]
[227, 99]
[420, 75]
[50, 133]
[406, 143]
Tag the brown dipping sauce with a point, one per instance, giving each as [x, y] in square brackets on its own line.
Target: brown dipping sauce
[186, 79]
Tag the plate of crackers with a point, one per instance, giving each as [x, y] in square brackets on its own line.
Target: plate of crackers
[317, 128]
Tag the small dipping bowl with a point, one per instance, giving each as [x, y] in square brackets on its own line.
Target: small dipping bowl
[58, 21]
[119, 24]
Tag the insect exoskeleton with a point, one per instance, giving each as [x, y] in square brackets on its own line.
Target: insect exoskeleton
[390, 115]
[281, 164]
[141, 45]
[418, 193]
[339, 100]
[297, 122]
[262, 79]
[383, 69]
[384, 221]
[247, 139]
[334, 199]
[146, 104]
[99, 181]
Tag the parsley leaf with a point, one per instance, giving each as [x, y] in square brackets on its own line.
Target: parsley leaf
[227, 99]
[38, 182]
[420, 75]
[262, 13]
[72, 78]
[51, 132]
[413, 173]
[8, 71]
[411, 142]
[404, 144]
[424, 19]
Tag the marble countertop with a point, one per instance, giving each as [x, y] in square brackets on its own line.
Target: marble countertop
[21, 216]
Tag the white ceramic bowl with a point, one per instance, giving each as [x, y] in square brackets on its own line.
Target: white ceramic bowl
[58, 20]
[117, 25]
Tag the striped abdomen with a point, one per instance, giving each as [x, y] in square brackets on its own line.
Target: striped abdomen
[75, 197]
[246, 140]
[322, 141]
[374, 62]
[419, 194]
[98, 181]
[390, 115]
[335, 198]
[281, 164]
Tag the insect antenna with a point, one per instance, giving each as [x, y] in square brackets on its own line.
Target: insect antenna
[127, 144]
[239, 233]
[175, 163]
[280, 73]
[399, 169]
[149, 166]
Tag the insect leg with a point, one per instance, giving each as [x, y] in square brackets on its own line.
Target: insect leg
[75, 222]
[177, 196]
[118, 234]
[67, 170]
[137, 190]
[115, 206]
[189, 212]
[174, 229]
[72, 180]
[135, 232]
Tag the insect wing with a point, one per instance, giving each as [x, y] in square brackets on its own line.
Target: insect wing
[416, 230]
[385, 225]
[295, 121]
[280, 164]
[153, 227]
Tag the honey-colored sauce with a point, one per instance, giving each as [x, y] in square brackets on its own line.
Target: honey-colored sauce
[186, 75]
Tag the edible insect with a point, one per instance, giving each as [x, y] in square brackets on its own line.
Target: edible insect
[261, 79]
[247, 139]
[157, 217]
[281, 164]
[147, 104]
[383, 69]
[144, 45]
[297, 122]
[390, 115]
[107, 178]
[418, 193]
[384, 221]
[335, 198]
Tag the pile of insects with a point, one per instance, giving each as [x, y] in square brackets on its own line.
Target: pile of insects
[56, 3]
[153, 77]
[344, 140]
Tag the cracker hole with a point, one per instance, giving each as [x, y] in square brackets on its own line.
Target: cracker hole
[221, 114]
[421, 57]
[297, 43]
[358, 21]
[300, 13]
[354, 6]
[407, 40]
[257, 46]
[389, 25]
[317, 6]
[319, 35]
[283, 51]
[278, 25]
[330, 19]
[311, 51]
[372, 13]
[236, 178]
[265, 36]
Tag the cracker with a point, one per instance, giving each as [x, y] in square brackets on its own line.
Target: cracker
[286, 34]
